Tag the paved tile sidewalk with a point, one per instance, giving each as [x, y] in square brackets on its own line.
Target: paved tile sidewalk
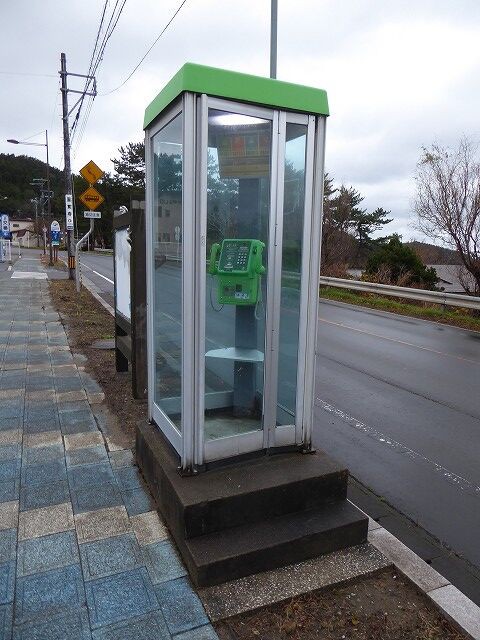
[83, 553]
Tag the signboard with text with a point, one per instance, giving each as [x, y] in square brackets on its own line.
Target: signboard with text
[69, 212]
[5, 226]
[92, 214]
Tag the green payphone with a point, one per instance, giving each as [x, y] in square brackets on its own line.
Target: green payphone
[239, 268]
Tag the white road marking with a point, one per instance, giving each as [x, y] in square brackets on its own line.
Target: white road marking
[102, 276]
[96, 272]
[458, 481]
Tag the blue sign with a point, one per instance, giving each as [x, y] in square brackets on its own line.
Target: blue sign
[55, 237]
[5, 226]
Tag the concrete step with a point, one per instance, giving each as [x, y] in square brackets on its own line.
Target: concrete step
[244, 492]
[236, 552]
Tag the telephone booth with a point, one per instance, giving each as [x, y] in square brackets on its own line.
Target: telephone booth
[235, 167]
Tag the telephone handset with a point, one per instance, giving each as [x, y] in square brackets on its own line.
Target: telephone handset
[238, 265]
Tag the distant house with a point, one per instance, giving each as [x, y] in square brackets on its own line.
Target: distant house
[452, 277]
[21, 230]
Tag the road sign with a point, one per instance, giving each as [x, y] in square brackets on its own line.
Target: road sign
[69, 212]
[5, 228]
[91, 198]
[55, 237]
[55, 226]
[92, 214]
[91, 172]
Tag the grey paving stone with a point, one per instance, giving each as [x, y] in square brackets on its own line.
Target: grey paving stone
[44, 594]
[46, 520]
[149, 627]
[61, 357]
[89, 455]
[95, 474]
[45, 473]
[6, 621]
[83, 440]
[68, 383]
[10, 452]
[43, 495]
[121, 458]
[111, 555]
[71, 423]
[120, 597]
[40, 395]
[162, 562]
[206, 632]
[7, 582]
[47, 552]
[68, 396]
[9, 469]
[10, 436]
[39, 455]
[8, 545]
[74, 626]
[95, 496]
[103, 523]
[40, 425]
[138, 501]
[148, 528]
[180, 606]
[42, 439]
[7, 424]
[129, 478]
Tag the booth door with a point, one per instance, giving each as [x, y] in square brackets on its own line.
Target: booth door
[255, 210]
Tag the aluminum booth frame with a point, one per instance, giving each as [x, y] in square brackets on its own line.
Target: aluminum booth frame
[193, 94]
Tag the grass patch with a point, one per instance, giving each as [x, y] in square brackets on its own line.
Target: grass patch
[454, 316]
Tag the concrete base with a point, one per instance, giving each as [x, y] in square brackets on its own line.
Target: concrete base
[250, 516]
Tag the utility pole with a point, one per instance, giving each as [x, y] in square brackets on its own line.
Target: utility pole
[66, 147]
[49, 201]
[273, 39]
[68, 169]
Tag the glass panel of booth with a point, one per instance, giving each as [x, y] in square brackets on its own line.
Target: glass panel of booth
[238, 213]
[167, 146]
[291, 277]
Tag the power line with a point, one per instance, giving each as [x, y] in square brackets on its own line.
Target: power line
[148, 50]
[79, 126]
[95, 61]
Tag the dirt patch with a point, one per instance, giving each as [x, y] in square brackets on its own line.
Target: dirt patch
[85, 321]
[381, 607]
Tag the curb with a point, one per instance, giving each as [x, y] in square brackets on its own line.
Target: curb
[449, 600]
[92, 287]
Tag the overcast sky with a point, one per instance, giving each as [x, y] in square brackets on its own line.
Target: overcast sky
[399, 75]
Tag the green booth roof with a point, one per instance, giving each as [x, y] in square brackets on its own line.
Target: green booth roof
[238, 86]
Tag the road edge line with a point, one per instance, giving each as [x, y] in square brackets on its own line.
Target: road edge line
[450, 601]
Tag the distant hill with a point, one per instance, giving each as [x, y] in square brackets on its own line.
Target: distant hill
[432, 254]
[16, 174]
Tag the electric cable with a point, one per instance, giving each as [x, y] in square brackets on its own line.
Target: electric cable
[93, 67]
[148, 50]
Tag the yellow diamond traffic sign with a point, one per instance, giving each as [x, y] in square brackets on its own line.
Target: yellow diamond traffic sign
[91, 198]
[91, 172]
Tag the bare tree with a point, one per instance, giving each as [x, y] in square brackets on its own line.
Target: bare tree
[447, 203]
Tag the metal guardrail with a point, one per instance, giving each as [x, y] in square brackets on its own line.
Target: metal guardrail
[436, 297]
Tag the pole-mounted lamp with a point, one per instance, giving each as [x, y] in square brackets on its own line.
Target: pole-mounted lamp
[49, 204]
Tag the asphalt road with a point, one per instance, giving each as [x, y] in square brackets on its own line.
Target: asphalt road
[398, 403]
[99, 269]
